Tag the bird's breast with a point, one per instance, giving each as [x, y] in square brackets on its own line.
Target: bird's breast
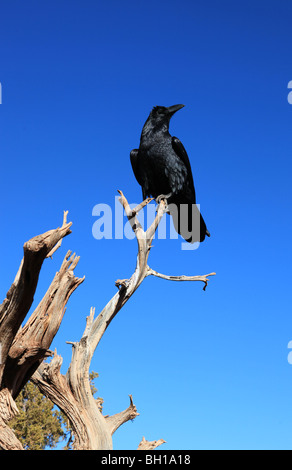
[165, 171]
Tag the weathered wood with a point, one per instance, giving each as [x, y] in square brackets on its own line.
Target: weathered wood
[31, 343]
[8, 409]
[204, 278]
[20, 296]
[23, 349]
[150, 445]
[18, 360]
[55, 386]
[99, 429]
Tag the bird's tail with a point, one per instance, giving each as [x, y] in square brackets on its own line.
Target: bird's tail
[188, 222]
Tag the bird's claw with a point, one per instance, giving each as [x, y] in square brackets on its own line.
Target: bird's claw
[161, 197]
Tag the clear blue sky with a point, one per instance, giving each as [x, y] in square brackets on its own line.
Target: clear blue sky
[207, 370]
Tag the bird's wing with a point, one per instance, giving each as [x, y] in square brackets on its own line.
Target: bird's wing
[182, 154]
[134, 162]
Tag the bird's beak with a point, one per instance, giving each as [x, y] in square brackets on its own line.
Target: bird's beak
[173, 109]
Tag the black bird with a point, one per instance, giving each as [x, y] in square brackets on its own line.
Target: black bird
[162, 167]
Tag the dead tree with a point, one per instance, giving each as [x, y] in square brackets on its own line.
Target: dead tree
[23, 349]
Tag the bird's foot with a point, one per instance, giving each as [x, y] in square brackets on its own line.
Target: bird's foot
[163, 196]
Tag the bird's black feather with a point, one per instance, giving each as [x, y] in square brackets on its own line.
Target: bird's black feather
[161, 166]
[182, 154]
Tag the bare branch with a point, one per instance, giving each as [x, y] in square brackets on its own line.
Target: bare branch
[141, 205]
[50, 254]
[20, 295]
[132, 214]
[150, 445]
[204, 278]
[32, 342]
[115, 421]
[153, 227]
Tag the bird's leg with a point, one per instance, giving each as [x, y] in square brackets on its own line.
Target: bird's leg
[163, 196]
[160, 198]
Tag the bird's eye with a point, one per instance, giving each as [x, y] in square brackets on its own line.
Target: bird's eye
[159, 110]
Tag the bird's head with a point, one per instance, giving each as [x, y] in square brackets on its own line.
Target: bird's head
[161, 113]
[158, 119]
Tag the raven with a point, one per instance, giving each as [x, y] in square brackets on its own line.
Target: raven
[162, 167]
